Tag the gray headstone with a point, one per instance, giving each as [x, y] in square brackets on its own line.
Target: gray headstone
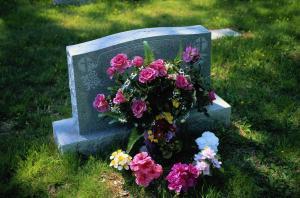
[87, 63]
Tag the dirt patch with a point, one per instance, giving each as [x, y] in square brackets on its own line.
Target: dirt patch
[115, 182]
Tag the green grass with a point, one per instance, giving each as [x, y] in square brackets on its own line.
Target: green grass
[257, 73]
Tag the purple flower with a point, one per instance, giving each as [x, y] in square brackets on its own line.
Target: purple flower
[169, 136]
[190, 55]
[212, 96]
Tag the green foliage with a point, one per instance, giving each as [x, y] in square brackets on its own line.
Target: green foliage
[258, 74]
[148, 53]
[134, 137]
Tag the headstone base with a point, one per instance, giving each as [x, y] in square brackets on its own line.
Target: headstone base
[68, 140]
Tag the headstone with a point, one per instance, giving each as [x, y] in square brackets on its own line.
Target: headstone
[87, 64]
[220, 33]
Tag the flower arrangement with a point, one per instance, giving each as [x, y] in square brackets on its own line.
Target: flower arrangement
[154, 97]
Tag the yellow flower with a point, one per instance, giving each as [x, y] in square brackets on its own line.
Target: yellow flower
[165, 115]
[151, 136]
[168, 116]
[175, 103]
[120, 160]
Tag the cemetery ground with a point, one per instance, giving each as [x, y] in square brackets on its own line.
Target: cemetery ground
[257, 73]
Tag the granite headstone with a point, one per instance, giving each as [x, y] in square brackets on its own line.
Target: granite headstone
[87, 64]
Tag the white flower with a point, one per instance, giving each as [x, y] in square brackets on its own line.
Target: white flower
[208, 139]
[204, 167]
[120, 160]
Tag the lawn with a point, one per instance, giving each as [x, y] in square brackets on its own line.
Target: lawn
[257, 73]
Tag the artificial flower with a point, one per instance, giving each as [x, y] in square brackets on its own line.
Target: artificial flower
[120, 63]
[111, 72]
[151, 137]
[204, 167]
[120, 98]
[147, 75]
[165, 115]
[183, 83]
[159, 66]
[182, 177]
[100, 103]
[208, 139]
[145, 169]
[120, 160]
[175, 103]
[137, 61]
[138, 108]
[190, 55]
[212, 96]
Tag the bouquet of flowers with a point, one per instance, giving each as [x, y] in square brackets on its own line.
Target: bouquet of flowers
[154, 96]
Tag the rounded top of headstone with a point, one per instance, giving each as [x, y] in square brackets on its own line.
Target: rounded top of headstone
[132, 35]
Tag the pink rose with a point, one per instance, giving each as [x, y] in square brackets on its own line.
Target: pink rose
[111, 72]
[159, 66]
[120, 98]
[183, 83]
[120, 63]
[212, 96]
[100, 103]
[138, 61]
[138, 108]
[147, 75]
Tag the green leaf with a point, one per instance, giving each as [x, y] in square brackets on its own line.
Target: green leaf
[179, 54]
[149, 56]
[133, 139]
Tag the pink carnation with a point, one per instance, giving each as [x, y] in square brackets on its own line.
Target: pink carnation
[182, 176]
[183, 83]
[147, 75]
[137, 61]
[120, 98]
[100, 103]
[159, 66]
[120, 63]
[138, 108]
[145, 169]
[111, 72]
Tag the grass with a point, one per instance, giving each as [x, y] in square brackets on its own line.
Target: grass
[257, 73]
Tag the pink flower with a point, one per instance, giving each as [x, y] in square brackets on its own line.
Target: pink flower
[138, 108]
[190, 55]
[212, 96]
[147, 75]
[145, 169]
[111, 72]
[100, 103]
[120, 98]
[183, 83]
[138, 61]
[120, 63]
[182, 176]
[159, 66]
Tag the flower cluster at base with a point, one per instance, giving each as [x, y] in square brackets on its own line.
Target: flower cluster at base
[154, 97]
[181, 176]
